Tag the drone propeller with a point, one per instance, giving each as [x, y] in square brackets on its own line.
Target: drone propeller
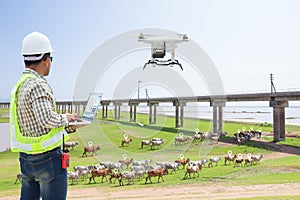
[143, 35]
[183, 36]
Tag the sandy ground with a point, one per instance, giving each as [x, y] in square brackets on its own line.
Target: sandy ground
[191, 191]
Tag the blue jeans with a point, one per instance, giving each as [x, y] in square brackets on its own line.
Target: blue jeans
[42, 176]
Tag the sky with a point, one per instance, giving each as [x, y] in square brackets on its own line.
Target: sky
[245, 39]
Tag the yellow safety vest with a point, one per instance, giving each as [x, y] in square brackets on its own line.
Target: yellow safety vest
[31, 145]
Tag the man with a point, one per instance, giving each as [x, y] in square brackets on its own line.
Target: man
[37, 130]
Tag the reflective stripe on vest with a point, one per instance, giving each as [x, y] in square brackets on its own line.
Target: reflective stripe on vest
[30, 145]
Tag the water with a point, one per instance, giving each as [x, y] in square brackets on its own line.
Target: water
[243, 113]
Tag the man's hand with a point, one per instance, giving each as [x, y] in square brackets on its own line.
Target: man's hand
[74, 118]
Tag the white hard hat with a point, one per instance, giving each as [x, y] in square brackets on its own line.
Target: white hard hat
[36, 43]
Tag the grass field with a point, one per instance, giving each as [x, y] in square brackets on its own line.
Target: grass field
[109, 133]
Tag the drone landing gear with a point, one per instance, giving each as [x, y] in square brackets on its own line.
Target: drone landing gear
[163, 63]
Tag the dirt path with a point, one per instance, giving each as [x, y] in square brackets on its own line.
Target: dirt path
[191, 191]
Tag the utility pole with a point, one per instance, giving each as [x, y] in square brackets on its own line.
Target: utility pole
[272, 84]
[139, 84]
[147, 96]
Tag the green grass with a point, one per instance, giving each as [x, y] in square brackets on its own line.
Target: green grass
[109, 133]
[3, 115]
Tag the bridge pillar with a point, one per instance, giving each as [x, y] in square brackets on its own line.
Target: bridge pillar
[179, 113]
[152, 115]
[279, 119]
[104, 110]
[117, 110]
[217, 105]
[132, 111]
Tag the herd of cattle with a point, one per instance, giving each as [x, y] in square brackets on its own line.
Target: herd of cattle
[242, 136]
[131, 170]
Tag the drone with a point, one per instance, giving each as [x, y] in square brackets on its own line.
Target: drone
[160, 45]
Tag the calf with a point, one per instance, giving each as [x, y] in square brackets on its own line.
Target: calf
[180, 140]
[214, 160]
[229, 158]
[256, 159]
[198, 137]
[91, 149]
[115, 176]
[192, 169]
[152, 173]
[126, 141]
[130, 176]
[126, 162]
[19, 177]
[71, 144]
[238, 162]
[145, 143]
[73, 176]
[183, 162]
[249, 161]
[156, 143]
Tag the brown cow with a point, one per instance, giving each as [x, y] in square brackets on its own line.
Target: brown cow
[158, 172]
[183, 162]
[92, 149]
[100, 172]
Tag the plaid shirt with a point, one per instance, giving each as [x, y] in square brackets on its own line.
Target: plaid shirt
[35, 107]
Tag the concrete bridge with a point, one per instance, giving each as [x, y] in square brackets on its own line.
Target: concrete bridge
[278, 101]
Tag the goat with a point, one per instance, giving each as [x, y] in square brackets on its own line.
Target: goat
[183, 162]
[126, 141]
[71, 144]
[214, 160]
[152, 173]
[192, 169]
[19, 177]
[92, 149]
[229, 158]
[127, 175]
